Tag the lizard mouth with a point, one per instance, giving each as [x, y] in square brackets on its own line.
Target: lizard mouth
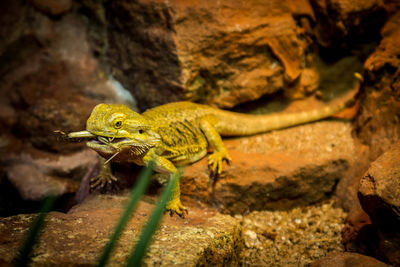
[106, 140]
[103, 144]
[95, 139]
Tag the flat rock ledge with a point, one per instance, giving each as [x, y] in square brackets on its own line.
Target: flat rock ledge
[277, 170]
[78, 237]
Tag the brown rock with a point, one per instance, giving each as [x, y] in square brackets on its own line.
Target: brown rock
[36, 178]
[379, 189]
[346, 259]
[379, 195]
[278, 170]
[213, 52]
[347, 189]
[341, 19]
[54, 8]
[358, 233]
[78, 237]
[377, 124]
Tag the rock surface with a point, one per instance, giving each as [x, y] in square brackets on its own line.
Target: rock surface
[213, 52]
[379, 194]
[377, 124]
[291, 238]
[77, 238]
[36, 178]
[358, 233]
[341, 20]
[379, 190]
[346, 259]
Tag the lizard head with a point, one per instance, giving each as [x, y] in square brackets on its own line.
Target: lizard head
[116, 128]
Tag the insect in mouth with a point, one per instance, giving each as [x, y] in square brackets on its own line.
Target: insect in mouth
[108, 141]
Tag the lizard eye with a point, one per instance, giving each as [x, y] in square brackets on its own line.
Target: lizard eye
[118, 124]
[141, 131]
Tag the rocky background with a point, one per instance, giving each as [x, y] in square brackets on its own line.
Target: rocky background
[290, 197]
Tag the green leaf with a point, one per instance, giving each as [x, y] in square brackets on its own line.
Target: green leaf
[136, 193]
[136, 256]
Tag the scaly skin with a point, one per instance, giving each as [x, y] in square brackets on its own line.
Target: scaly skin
[177, 134]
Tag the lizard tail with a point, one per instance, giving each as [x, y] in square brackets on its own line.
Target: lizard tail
[237, 124]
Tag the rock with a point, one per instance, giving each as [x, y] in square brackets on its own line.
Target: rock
[379, 194]
[54, 8]
[377, 125]
[36, 178]
[295, 237]
[347, 189]
[341, 19]
[379, 189]
[78, 237]
[251, 239]
[277, 170]
[346, 259]
[358, 233]
[222, 54]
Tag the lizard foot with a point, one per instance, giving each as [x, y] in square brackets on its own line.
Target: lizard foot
[175, 206]
[102, 180]
[215, 161]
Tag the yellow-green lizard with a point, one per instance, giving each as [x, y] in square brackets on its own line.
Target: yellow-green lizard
[177, 134]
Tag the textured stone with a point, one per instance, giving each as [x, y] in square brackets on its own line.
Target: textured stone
[377, 124]
[346, 259]
[36, 178]
[347, 188]
[379, 195]
[379, 189]
[358, 233]
[295, 237]
[220, 53]
[78, 237]
[338, 20]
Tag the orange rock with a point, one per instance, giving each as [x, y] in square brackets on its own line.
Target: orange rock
[79, 236]
[221, 53]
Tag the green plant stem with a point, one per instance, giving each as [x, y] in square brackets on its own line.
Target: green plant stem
[136, 256]
[33, 234]
[136, 194]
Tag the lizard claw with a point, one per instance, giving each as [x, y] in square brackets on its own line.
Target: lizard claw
[102, 180]
[215, 162]
[175, 206]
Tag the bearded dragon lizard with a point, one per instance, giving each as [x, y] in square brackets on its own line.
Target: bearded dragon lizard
[177, 134]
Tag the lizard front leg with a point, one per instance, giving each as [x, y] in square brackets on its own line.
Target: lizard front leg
[163, 165]
[220, 154]
[105, 175]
